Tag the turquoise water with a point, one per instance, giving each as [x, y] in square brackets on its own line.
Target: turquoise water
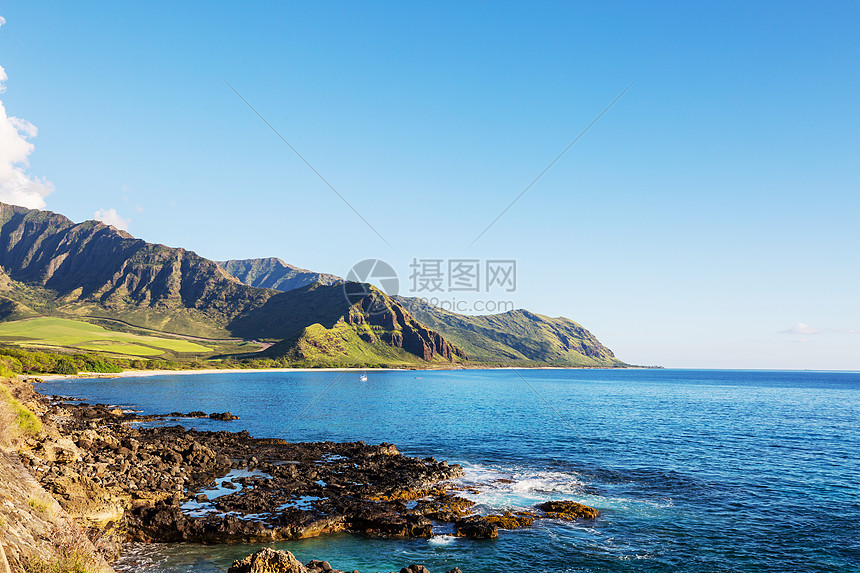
[691, 470]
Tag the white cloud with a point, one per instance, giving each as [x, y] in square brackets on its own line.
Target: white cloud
[111, 217]
[2, 20]
[16, 186]
[801, 328]
[805, 329]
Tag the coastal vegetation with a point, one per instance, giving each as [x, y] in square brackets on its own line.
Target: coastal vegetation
[67, 562]
[21, 420]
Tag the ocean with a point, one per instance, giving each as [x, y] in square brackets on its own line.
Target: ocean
[692, 470]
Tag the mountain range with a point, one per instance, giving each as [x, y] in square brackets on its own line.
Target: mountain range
[51, 266]
[275, 274]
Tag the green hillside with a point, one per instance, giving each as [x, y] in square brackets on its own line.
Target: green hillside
[64, 333]
[376, 328]
[516, 337]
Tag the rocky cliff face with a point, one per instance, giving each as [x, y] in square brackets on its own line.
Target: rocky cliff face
[400, 329]
[366, 326]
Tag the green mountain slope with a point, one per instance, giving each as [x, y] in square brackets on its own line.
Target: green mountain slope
[516, 337]
[52, 266]
[376, 326]
[275, 274]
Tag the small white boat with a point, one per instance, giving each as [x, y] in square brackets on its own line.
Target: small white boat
[363, 377]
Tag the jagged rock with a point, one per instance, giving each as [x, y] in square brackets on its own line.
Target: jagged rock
[568, 510]
[510, 521]
[60, 450]
[137, 478]
[476, 528]
[268, 560]
[446, 507]
[223, 416]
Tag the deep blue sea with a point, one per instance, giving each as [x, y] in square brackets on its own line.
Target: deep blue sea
[692, 470]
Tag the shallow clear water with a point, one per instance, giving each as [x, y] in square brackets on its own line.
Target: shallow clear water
[691, 470]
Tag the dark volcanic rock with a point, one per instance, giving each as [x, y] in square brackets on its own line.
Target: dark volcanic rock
[476, 528]
[568, 510]
[224, 416]
[162, 481]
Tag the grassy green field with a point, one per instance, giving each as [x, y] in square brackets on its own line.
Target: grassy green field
[61, 332]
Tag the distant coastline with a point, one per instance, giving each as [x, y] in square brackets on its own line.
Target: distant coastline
[142, 373]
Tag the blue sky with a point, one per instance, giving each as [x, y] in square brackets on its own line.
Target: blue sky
[708, 219]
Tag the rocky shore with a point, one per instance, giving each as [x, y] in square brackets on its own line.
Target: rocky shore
[268, 560]
[125, 479]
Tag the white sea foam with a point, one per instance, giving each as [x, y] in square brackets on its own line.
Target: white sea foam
[442, 539]
[519, 488]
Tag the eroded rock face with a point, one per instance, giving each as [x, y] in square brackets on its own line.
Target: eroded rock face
[60, 450]
[33, 527]
[401, 328]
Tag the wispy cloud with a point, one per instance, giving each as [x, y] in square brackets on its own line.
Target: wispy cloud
[111, 217]
[801, 328]
[806, 330]
[16, 185]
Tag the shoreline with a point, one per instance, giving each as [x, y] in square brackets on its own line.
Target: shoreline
[179, 484]
[125, 483]
[145, 373]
